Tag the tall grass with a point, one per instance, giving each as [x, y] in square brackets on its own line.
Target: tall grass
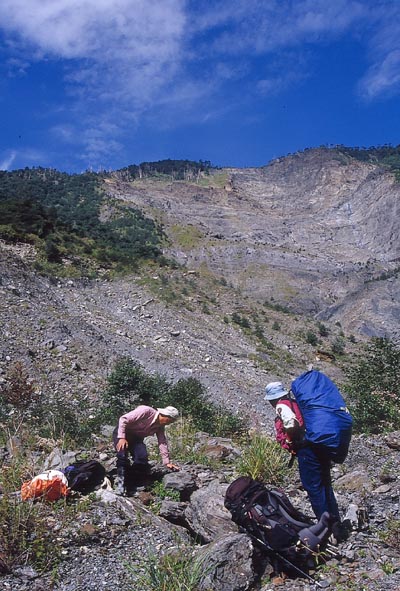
[175, 571]
[263, 459]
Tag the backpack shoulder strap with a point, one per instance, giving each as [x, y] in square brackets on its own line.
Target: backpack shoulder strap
[295, 408]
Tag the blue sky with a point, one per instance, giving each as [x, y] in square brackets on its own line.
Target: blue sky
[107, 83]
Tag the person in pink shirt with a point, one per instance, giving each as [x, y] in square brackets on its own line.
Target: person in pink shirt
[129, 436]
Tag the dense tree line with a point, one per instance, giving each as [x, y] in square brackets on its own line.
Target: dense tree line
[61, 214]
[386, 155]
[175, 169]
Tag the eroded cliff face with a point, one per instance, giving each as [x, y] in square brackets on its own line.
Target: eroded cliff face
[317, 231]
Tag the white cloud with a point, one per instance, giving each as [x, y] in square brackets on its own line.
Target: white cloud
[167, 60]
[8, 160]
[97, 29]
[266, 26]
[383, 78]
[120, 56]
[23, 157]
[122, 48]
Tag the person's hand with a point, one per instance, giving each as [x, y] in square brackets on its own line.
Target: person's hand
[122, 444]
[173, 467]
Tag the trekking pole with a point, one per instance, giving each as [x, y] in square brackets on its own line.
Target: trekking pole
[298, 569]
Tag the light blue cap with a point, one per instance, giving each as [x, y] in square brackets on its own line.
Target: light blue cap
[274, 390]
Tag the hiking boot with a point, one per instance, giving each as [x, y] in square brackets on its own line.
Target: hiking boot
[120, 486]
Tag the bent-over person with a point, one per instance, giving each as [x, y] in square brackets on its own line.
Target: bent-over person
[129, 436]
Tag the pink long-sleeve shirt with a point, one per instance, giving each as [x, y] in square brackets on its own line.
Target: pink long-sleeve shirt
[141, 423]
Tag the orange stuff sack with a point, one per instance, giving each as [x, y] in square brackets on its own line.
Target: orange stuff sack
[50, 486]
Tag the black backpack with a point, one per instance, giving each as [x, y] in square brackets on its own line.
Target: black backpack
[271, 519]
[85, 476]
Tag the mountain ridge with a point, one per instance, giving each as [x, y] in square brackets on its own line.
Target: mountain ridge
[313, 230]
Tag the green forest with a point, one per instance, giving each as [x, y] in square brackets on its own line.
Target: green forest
[386, 155]
[175, 169]
[69, 217]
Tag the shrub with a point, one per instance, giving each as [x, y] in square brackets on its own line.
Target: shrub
[182, 442]
[338, 346]
[61, 213]
[187, 445]
[240, 320]
[373, 383]
[60, 420]
[129, 385]
[30, 531]
[311, 338]
[189, 396]
[391, 535]
[263, 459]
[322, 329]
[159, 490]
[19, 391]
[23, 408]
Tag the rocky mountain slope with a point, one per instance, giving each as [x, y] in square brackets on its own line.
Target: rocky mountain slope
[70, 333]
[268, 257]
[317, 231]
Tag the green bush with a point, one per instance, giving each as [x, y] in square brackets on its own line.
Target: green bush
[263, 459]
[338, 346]
[61, 214]
[322, 329]
[189, 396]
[60, 419]
[240, 320]
[30, 530]
[391, 534]
[311, 338]
[373, 383]
[162, 492]
[129, 385]
[19, 391]
[183, 443]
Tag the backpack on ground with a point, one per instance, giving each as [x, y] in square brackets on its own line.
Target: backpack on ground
[270, 518]
[85, 476]
[48, 486]
[328, 422]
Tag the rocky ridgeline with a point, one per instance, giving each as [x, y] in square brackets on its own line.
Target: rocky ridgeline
[106, 545]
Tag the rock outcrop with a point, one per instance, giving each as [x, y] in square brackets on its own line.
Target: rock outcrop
[317, 231]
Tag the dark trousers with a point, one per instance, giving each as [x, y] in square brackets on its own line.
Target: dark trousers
[315, 474]
[136, 448]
